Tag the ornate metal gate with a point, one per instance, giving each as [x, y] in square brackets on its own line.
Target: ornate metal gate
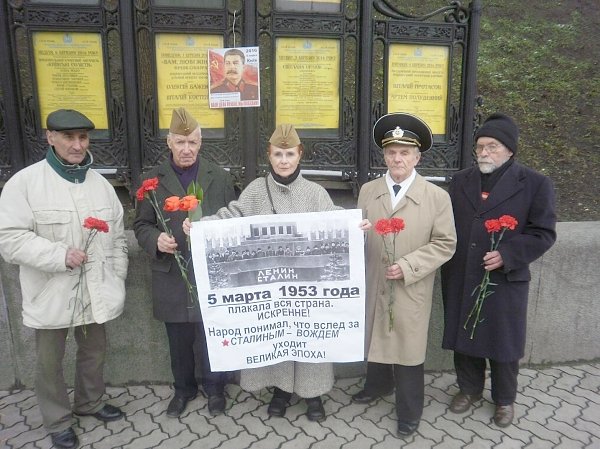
[356, 44]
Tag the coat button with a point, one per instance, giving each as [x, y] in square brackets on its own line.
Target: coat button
[416, 269]
[473, 245]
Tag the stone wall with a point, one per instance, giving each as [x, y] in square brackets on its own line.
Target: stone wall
[564, 320]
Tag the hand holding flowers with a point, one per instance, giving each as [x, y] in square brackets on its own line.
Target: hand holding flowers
[94, 225]
[491, 261]
[166, 242]
[386, 228]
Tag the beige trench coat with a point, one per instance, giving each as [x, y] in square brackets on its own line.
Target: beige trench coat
[427, 241]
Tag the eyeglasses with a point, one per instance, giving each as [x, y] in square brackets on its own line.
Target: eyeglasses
[491, 148]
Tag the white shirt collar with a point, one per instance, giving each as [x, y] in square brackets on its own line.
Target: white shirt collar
[404, 185]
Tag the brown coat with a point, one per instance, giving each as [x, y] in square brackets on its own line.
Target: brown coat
[428, 240]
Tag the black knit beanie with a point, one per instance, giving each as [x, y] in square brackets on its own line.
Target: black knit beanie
[501, 127]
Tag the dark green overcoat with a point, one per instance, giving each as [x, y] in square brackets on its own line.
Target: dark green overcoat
[169, 293]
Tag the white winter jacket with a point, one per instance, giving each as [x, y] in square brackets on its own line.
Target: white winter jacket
[41, 215]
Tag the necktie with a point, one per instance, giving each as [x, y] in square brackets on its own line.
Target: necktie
[396, 188]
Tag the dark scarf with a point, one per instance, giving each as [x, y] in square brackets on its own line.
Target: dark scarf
[287, 180]
[185, 175]
[489, 180]
[73, 173]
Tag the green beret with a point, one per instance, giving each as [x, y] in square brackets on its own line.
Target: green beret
[67, 119]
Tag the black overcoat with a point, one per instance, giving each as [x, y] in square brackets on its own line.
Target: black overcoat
[529, 197]
[169, 293]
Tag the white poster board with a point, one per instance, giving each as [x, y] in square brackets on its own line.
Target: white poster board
[281, 287]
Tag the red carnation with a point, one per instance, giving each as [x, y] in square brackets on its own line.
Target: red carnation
[95, 223]
[147, 186]
[492, 225]
[150, 184]
[397, 224]
[383, 227]
[508, 222]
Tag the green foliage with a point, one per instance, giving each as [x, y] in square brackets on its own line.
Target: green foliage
[539, 66]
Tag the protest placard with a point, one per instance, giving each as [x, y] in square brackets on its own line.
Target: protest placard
[281, 287]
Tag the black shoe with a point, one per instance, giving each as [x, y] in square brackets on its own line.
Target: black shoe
[216, 404]
[178, 405]
[278, 403]
[315, 410]
[362, 397]
[106, 413]
[65, 439]
[406, 428]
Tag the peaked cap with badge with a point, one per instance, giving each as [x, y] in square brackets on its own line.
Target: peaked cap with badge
[285, 136]
[402, 128]
[182, 122]
[68, 119]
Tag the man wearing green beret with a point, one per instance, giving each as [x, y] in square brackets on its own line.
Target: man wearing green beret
[170, 298]
[68, 281]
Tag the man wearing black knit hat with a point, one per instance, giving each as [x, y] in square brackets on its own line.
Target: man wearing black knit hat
[497, 186]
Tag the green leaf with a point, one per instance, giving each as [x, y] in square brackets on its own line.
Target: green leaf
[195, 190]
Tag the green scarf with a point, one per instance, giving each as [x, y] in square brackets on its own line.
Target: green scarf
[72, 173]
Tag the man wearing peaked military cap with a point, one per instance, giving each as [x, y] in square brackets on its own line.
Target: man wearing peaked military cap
[171, 303]
[402, 129]
[397, 320]
[496, 186]
[41, 229]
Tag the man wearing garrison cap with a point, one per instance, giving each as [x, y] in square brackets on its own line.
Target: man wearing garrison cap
[42, 212]
[399, 294]
[171, 303]
[496, 186]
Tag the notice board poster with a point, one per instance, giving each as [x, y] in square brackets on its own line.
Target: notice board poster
[418, 82]
[307, 87]
[69, 73]
[181, 77]
[281, 287]
[234, 75]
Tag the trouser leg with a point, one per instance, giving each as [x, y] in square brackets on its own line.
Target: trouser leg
[181, 347]
[470, 373]
[410, 391]
[504, 381]
[380, 379]
[89, 368]
[50, 387]
[212, 382]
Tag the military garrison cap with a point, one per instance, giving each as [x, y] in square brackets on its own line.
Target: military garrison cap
[402, 128]
[182, 122]
[285, 136]
[67, 119]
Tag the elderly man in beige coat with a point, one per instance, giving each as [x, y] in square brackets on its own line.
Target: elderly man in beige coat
[399, 293]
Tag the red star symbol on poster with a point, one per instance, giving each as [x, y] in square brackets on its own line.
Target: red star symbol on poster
[225, 342]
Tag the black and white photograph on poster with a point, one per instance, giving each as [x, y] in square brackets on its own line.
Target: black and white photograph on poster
[281, 287]
[234, 77]
[277, 251]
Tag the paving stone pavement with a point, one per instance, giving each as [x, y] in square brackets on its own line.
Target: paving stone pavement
[556, 407]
